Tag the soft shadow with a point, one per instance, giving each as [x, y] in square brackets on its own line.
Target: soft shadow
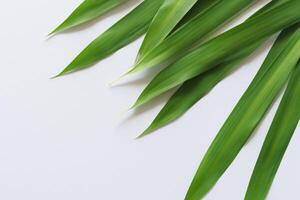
[157, 102]
[143, 78]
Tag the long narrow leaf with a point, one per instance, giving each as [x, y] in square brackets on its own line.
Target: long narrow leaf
[128, 29]
[179, 43]
[215, 51]
[170, 13]
[193, 90]
[277, 140]
[248, 113]
[87, 11]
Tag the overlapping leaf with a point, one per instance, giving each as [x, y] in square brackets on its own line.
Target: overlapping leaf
[277, 140]
[193, 90]
[199, 7]
[247, 114]
[215, 51]
[174, 30]
[169, 14]
[87, 11]
[180, 42]
[128, 29]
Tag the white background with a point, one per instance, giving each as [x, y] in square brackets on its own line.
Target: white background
[69, 138]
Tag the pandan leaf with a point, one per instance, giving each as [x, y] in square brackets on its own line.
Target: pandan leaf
[277, 140]
[193, 90]
[248, 113]
[180, 42]
[216, 50]
[170, 13]
[87, 11]
[128, 29]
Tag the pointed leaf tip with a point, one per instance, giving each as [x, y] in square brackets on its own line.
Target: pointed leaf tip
[85, 12]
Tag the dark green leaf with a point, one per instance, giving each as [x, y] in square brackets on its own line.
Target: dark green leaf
[277, 140]
[215, 51]
[248, 113]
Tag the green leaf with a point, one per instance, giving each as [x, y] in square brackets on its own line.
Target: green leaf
[87, 11]
[277, 140]
[198, 8]
[193, 90]
[128, 29]
[122, 33]
[170, 13]
[180, 42]
[216, 50]
[248, 113]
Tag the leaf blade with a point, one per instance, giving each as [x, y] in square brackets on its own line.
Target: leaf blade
[126, 30]
[246, 115]
[180, 42]
[87, 11]
[277, 140]
[195, 89]
[170, 13]
[216, 50]
[192, 91]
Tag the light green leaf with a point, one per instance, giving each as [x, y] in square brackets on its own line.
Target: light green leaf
[181, 42]
[87, 11]
[216, 50]
[277, 140]
[170, 13]
[248, 113]
[128, 29]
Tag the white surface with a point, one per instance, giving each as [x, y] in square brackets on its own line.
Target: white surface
[67, 139]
